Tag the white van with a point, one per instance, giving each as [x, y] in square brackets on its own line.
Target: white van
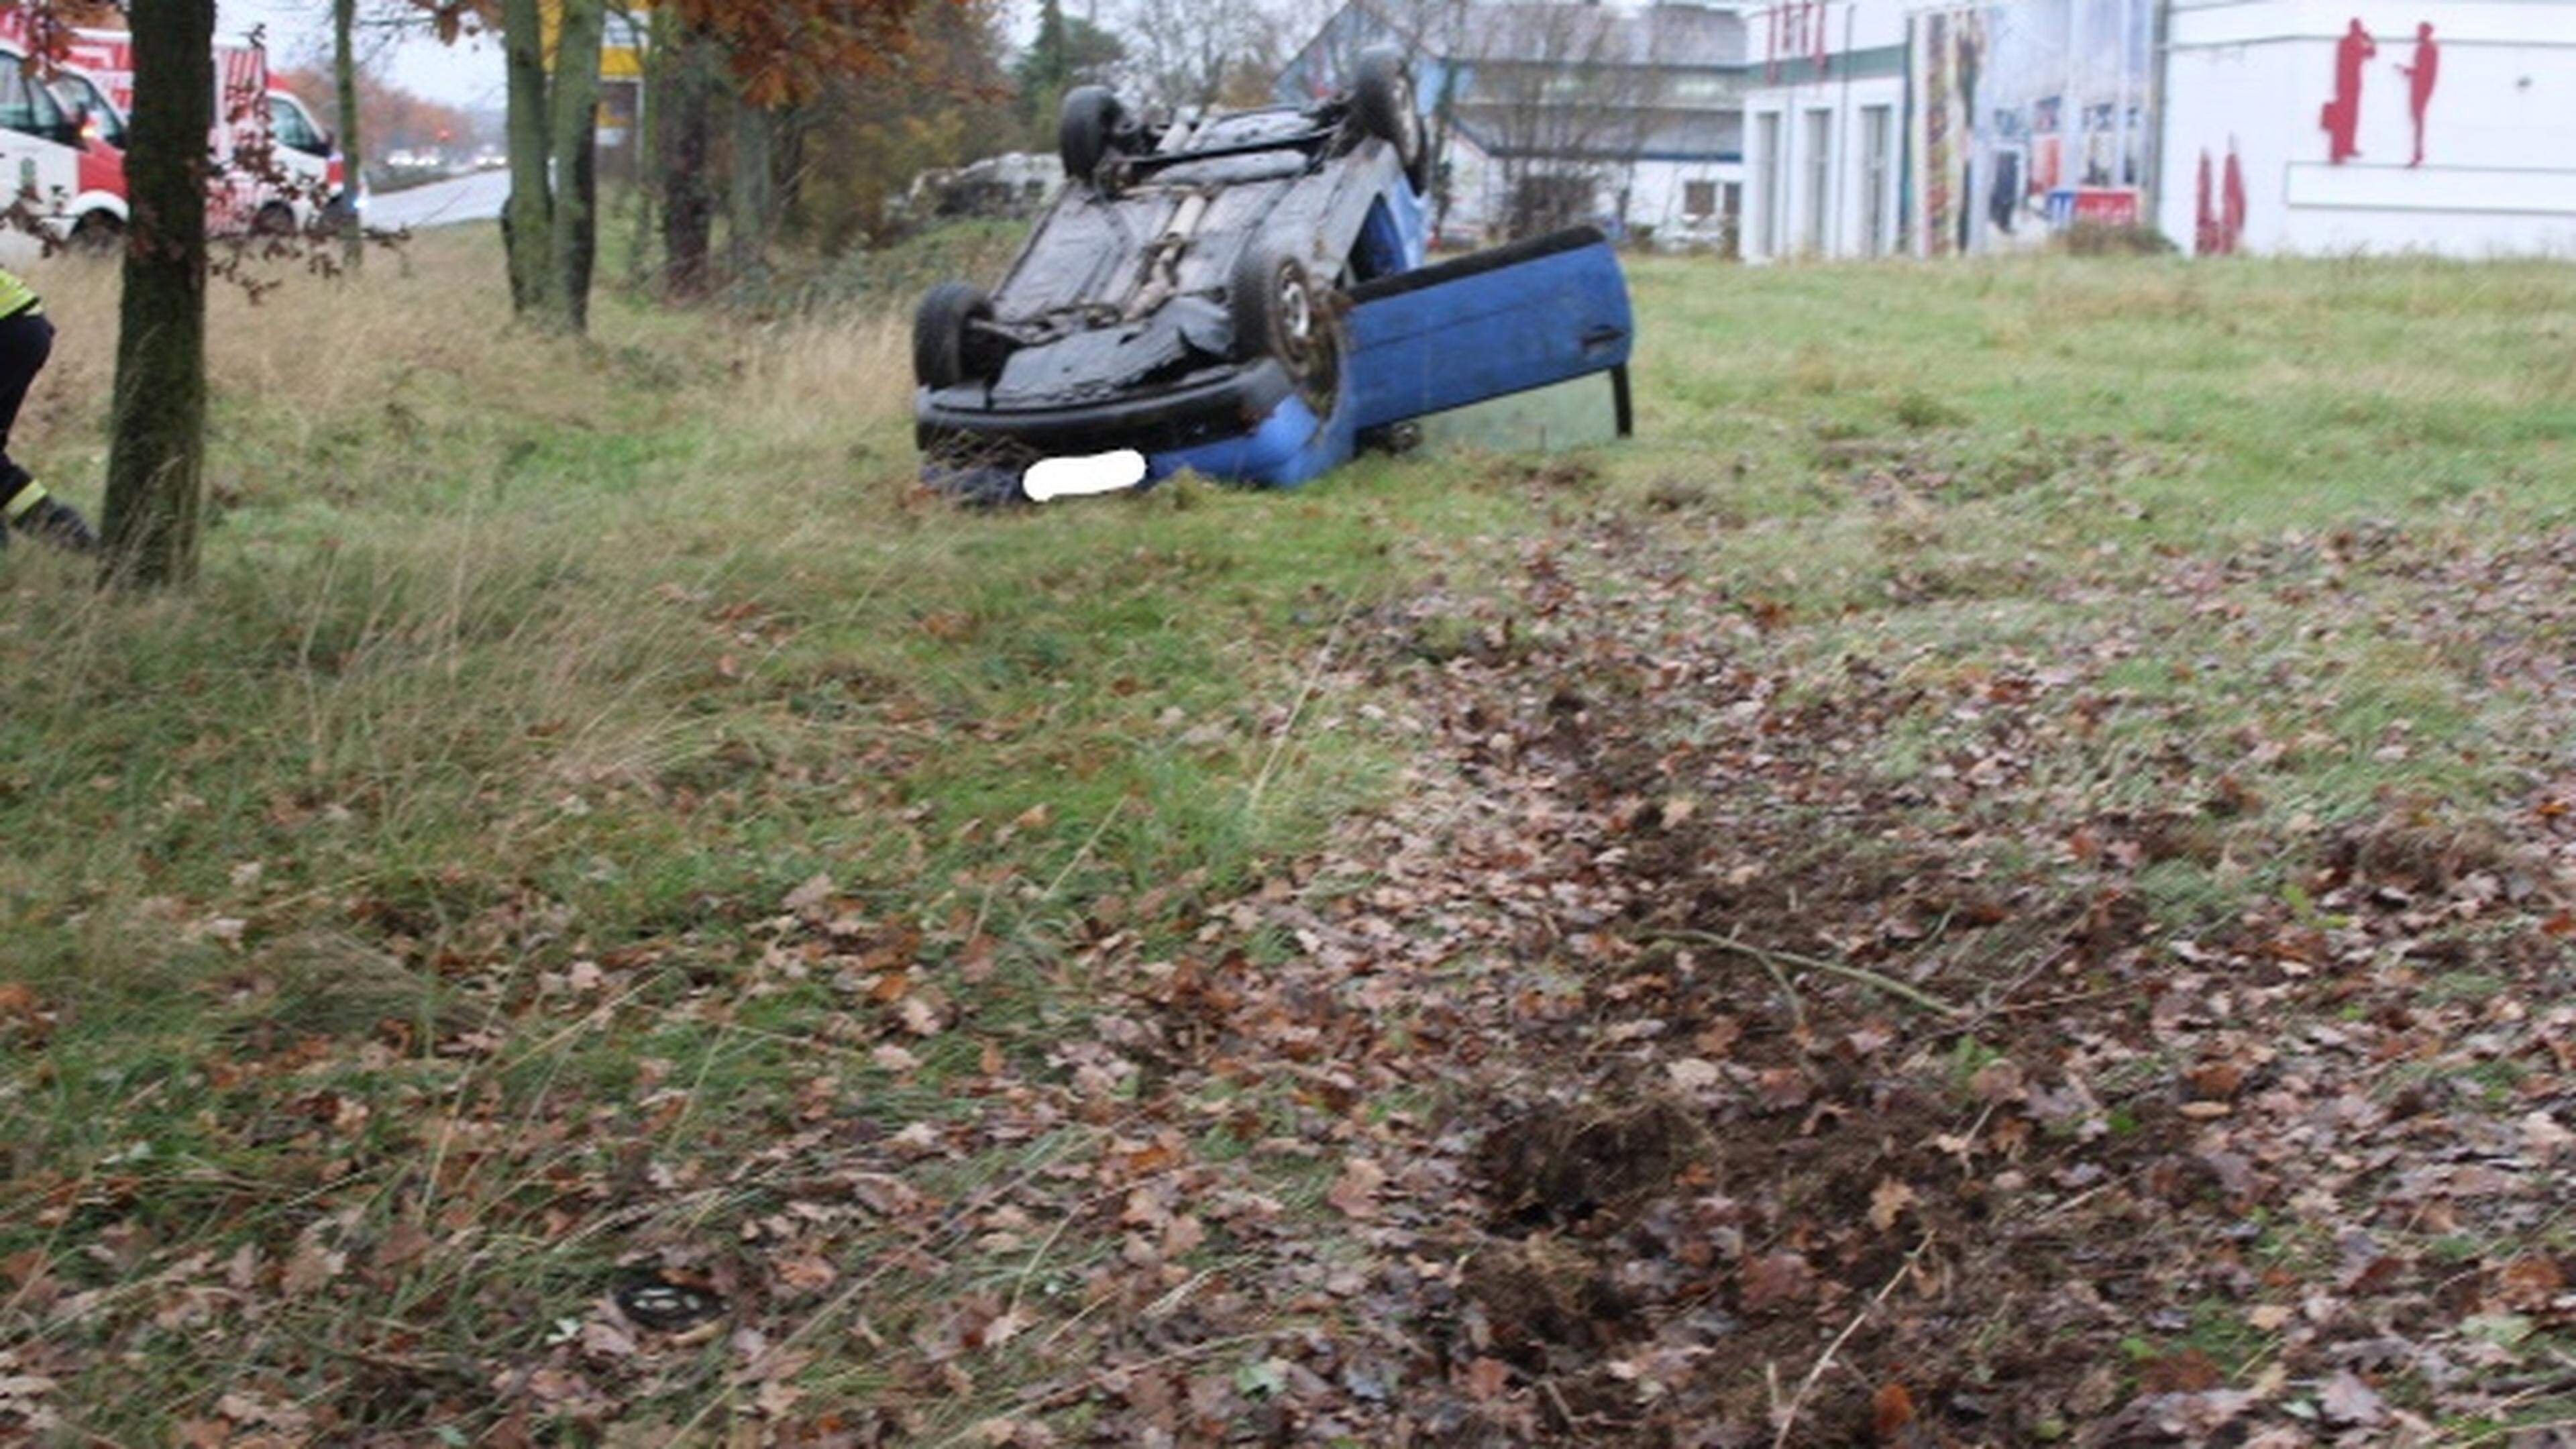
[310, 157]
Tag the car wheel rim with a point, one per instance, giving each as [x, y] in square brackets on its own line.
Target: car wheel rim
[1296, 317]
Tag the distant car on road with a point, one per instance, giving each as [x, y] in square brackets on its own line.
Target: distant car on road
[1243, 295]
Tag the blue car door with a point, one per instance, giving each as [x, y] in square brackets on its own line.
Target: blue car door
[1483, 326]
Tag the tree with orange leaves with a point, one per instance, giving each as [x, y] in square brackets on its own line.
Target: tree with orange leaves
[783, 51]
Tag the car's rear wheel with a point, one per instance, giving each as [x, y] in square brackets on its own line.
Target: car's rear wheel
[946, 347]
[1087, 130]
[274, 219]
[1280, 312]
[1382, 101]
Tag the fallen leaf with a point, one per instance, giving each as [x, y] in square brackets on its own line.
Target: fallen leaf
[1004, 1328]
[806, 1274]
[1692, 1074]
[919, 1017]
[1355, 1191]
[2543, 1137]
[1776, 1280]
[1891, 1409]
[2347, 1400]
[2529, 1283]
[2188, 1372]
[310, 1267]
[601, 1339]
[810, 896]
[1888, 1202]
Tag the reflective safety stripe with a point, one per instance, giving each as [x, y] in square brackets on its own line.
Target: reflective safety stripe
[16, 296]
[28, 497]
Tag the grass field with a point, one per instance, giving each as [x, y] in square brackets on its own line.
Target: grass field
[2027, 814]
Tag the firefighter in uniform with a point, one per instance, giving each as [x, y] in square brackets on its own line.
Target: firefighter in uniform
[26, 341]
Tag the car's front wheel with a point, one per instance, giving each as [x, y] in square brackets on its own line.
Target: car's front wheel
[946, 347]
[1280, 311]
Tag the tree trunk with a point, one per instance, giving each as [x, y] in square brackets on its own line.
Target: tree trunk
[156, 450]
[688, 207]
[344, 76]
[753, 214]
[656, 84]
[575, 125]
[527, 224]
[790, 143]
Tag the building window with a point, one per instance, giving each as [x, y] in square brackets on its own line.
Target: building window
[1699, 199]
[1699, 90]
[1877, 143]
[1820, 180]
[1766, 153]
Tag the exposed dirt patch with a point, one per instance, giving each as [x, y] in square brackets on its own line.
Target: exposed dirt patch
[1562, 1165]
[1930, 1089]
[1530, 1300]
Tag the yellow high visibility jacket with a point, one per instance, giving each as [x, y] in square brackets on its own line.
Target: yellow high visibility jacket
[16, 296]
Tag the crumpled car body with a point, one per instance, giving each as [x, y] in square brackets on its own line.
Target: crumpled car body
[1246, 298]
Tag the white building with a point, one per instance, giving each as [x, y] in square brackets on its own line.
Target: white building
[1825, 130]
[1878, 126]
[2308, 117]
[1549, 112]
[1882, 127]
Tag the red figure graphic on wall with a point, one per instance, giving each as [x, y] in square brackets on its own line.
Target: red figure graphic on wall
[2231, 205]
[2204, 229]
[2342, 117]
[2420, 79]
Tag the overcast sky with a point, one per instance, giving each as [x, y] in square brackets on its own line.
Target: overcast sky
[466, 74]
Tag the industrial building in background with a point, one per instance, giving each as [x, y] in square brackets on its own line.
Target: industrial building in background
[1864, 128]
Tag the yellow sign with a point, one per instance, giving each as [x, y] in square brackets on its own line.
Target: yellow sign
[621, 52]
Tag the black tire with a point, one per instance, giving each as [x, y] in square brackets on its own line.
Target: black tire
[274, 219]
[99, 234]
[944, 351]
[1087, 130]
[1382, 102]
[1280, 311]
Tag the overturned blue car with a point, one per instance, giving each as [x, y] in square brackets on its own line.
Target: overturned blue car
[1245, 296]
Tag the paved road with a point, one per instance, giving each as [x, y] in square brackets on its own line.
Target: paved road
[477, 197]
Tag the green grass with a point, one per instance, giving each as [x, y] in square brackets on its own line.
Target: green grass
[528, 680]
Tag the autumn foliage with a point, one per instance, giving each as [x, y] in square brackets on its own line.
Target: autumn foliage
[785, 50]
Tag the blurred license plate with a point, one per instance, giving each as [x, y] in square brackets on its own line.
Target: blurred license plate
[1051, 478]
